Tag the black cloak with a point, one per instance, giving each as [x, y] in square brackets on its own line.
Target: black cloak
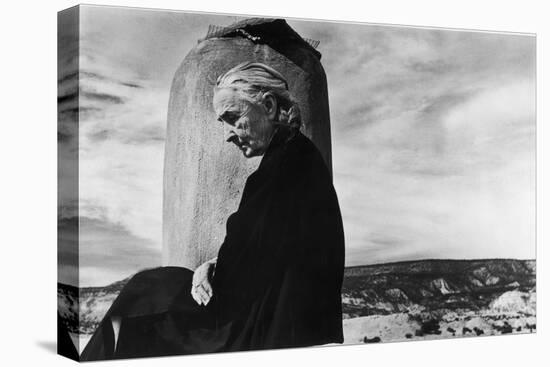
[277, 280]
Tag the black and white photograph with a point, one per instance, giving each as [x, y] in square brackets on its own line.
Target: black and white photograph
[235, 183]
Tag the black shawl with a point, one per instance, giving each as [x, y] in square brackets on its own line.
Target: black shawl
[277, 281]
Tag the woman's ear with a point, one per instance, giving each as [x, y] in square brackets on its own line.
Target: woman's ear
[270, 105]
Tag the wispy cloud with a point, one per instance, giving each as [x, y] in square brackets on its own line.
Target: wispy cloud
[110, 252]
[433, 140]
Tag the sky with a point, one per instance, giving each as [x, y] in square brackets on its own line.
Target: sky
[433, 138]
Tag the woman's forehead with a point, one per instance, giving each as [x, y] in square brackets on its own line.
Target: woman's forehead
[226, 98]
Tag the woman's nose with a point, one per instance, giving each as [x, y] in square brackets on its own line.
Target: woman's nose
[228, 133]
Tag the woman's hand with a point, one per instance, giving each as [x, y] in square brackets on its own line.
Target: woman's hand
[201, 289]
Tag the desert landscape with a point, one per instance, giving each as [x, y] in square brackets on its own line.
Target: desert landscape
[414, 300]
[435, 299]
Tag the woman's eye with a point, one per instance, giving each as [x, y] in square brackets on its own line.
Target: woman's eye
[231, 119]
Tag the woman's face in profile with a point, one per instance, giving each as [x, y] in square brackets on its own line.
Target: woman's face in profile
[246, 124]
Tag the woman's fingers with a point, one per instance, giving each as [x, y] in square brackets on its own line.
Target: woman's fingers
[207, 288]
[195, 295]
[201, 291]
[199, 295]
[203, 294]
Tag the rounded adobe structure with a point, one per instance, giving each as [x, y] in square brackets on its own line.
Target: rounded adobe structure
[203, 175]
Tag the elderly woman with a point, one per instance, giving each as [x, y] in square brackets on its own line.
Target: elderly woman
[276, 281]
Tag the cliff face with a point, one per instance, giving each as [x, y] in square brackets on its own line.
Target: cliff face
[84, 316]
[433, 285]
[434, 299]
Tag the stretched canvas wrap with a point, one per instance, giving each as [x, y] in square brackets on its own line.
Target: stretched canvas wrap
[231, 183]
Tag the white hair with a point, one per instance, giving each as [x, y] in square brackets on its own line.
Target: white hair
[253, 79]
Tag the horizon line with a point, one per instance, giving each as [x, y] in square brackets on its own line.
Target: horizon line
[345, 267]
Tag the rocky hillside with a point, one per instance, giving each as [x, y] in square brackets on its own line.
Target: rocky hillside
[434, 299]
[422, 290]
[431, 285]
[94, 303]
